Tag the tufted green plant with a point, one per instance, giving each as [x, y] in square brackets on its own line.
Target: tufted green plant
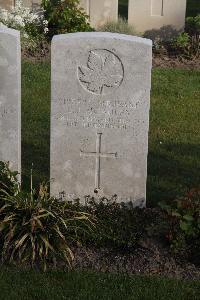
[39, 230]
[119, 226]
[8, 179]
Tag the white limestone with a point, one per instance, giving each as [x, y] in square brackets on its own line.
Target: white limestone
[100, 11]
[153, 14]
[100, 115]
[10, 97]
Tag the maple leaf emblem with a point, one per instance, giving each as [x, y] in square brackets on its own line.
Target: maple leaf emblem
[104, 72]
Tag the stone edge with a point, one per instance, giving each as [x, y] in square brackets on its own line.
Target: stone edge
[16, 34]
[10, 31]
[110, 35]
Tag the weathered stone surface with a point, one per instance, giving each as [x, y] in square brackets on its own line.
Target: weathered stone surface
[33, 4]
[6, 3]
[100, 115]
[28, 3]
[10, 97]
[86, 5]
[100, 11]
[153, 14]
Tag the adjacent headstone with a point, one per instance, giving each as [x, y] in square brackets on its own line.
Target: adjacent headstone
[153, 14]
[100, 11]
[10, 97]
[27, 3]
[6, 4]
[33, 4]
[100, 115]
[85, 4]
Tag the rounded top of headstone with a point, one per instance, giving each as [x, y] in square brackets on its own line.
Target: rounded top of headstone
[5, 29]
[108, 35]
[2, 25]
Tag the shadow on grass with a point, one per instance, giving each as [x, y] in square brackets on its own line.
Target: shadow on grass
[172, 169]
[35, 123]
[39, 156]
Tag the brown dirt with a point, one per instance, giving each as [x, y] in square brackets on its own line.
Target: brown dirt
[163, 61]
[173, 62]
[149, 259]
[152, 256]
[42, 54]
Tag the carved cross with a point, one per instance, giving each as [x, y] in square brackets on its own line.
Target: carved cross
[98, 155]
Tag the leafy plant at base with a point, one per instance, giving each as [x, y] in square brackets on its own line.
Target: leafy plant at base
[193, 25]
[65, 16]
[118, 226]
[8, 180]
[184, 225]
[182, 40]
[193, 28]
[39, 230]
[188, 42]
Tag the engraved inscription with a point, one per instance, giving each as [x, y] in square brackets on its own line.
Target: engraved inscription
[102, 114]
[103, 74]
[98, 155]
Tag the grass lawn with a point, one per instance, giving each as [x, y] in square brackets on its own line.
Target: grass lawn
[32, 285]
[174, 138]
[35, 122]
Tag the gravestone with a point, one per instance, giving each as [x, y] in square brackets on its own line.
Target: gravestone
[32, 4]
[100, 115]
[85, 4]
[10, 97]
[100, 11]
[154, 14]
[6, 4]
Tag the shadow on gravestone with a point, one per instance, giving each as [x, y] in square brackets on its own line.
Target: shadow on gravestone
[10, 97]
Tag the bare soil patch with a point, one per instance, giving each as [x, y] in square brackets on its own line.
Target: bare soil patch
[149, 259]
[43, 54]
[165, 61]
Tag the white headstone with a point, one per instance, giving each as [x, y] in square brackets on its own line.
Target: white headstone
[100, 11]
[100, 115]
[10, 97]
[147, 15]
[6, 4]
[85, 4]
